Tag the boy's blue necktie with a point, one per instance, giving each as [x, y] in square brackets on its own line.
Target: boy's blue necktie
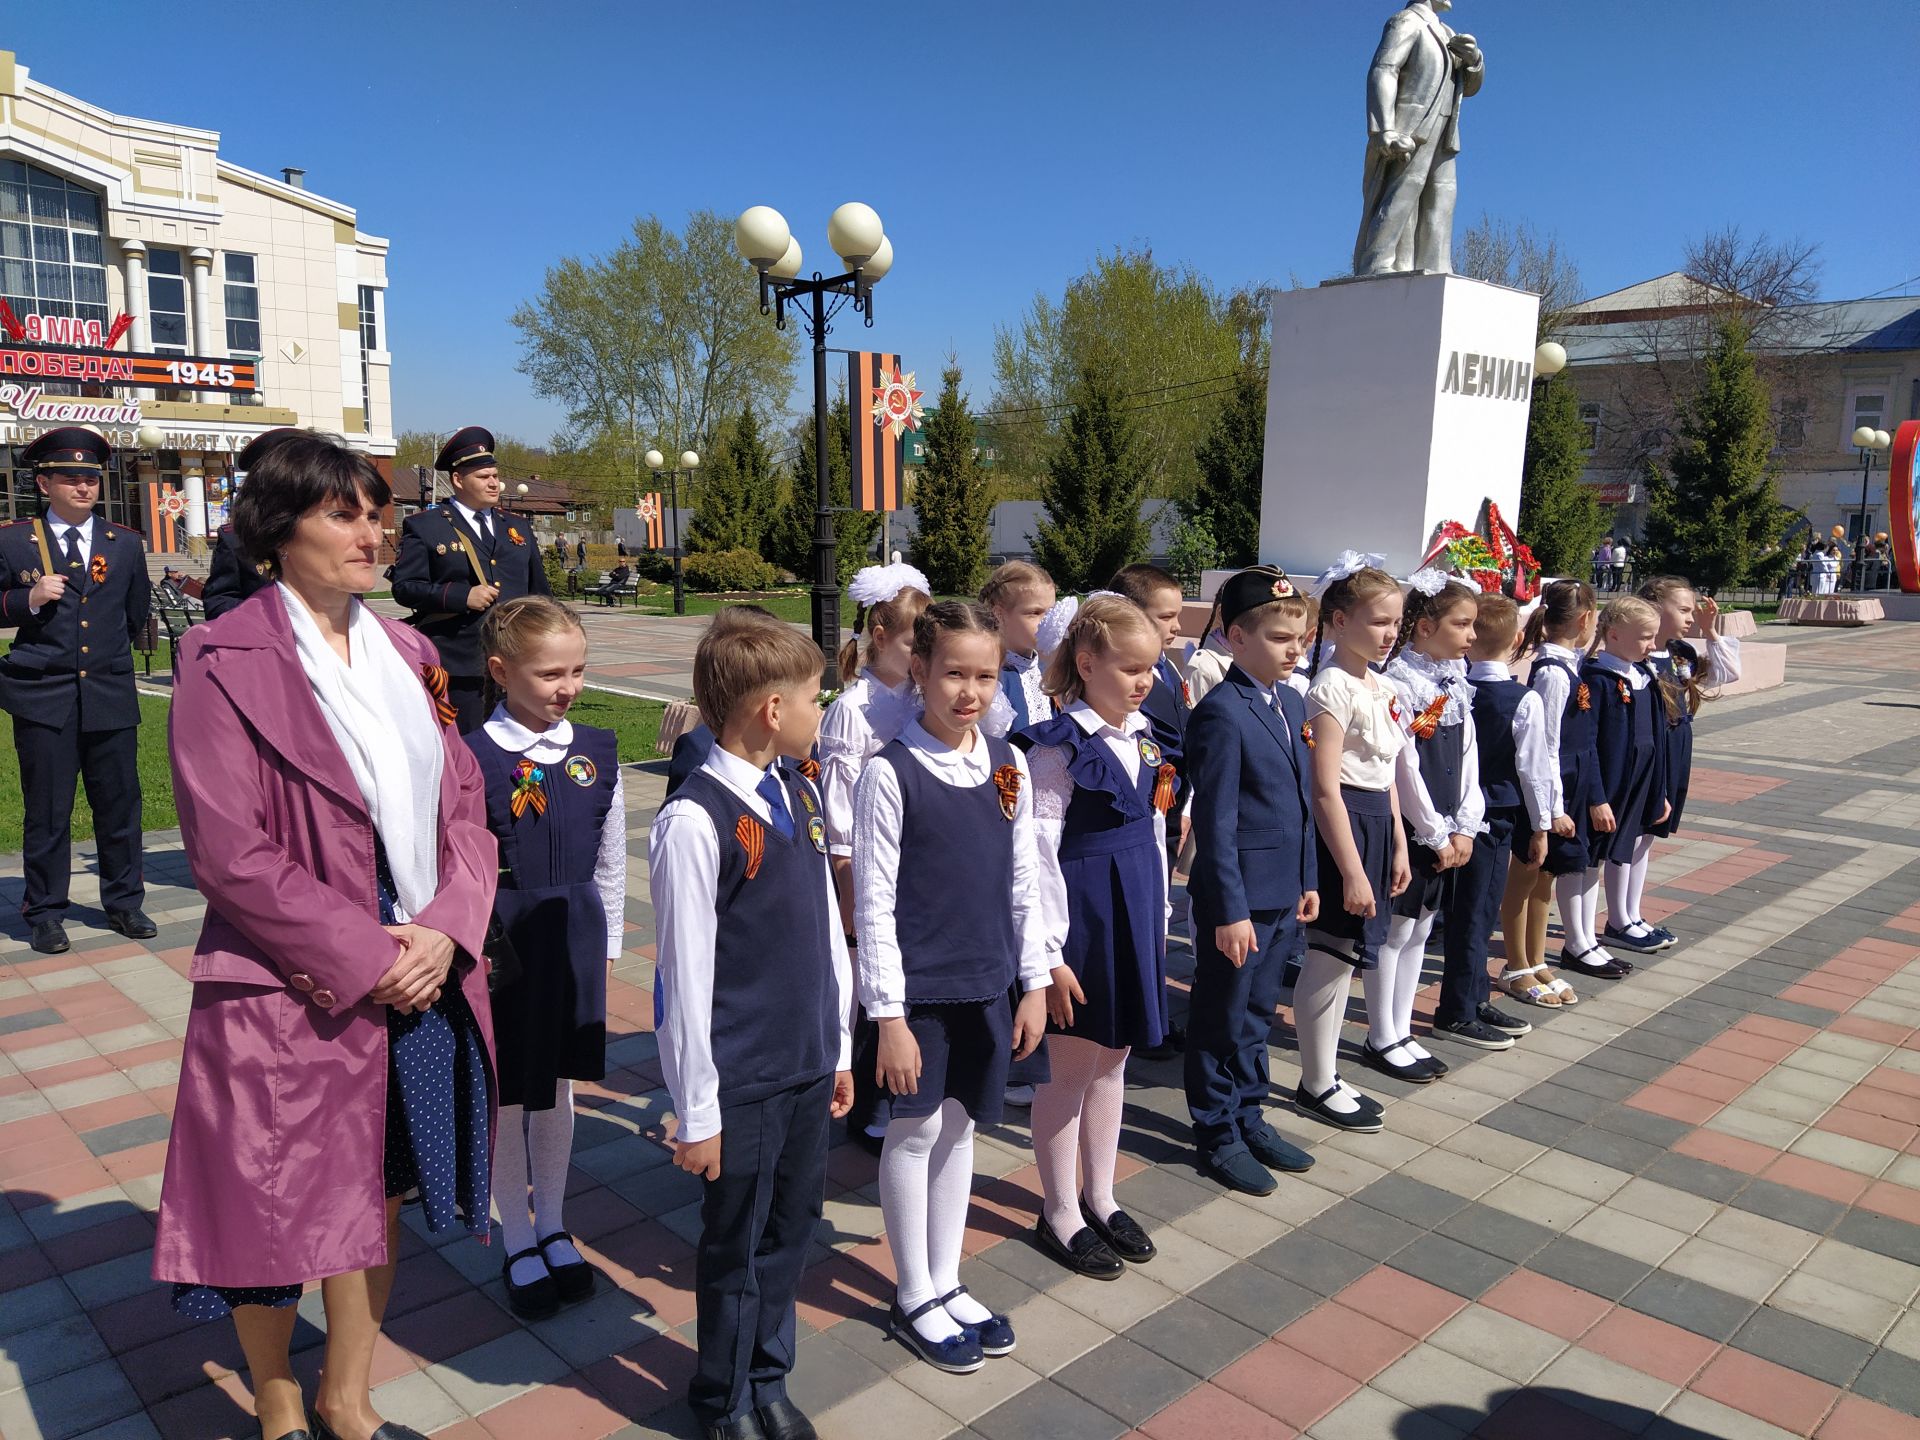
[775, 794]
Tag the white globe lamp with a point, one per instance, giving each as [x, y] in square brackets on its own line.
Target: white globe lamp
[1550, 358]
[788, 265]
[689, 460]
[878, 263]
[655, 460]
[854, 231]
[762, 235]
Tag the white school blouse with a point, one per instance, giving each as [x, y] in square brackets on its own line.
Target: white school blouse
[1538, 766]
[1554, 688]
[683, 861]
[1372, 738]
[878, 817]
[549, 747]
[1418, 681]
[863, 718]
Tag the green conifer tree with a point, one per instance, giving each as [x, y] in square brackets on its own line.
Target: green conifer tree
[733, 506]
[791, 540]
[1560, 515]
[1092, 492]
[1231, 457]
[952, 497]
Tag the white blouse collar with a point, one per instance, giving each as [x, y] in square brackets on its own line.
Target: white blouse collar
[1088, 719]
[510, 735]
[1626, 669]
[917, 737]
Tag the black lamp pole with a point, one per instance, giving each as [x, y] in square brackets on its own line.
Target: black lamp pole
[673, 499]
[1860, 540]
[817, 315]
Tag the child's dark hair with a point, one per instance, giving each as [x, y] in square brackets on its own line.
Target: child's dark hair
[895, 615]
[951, 617]
[1435, 607]
[1675, 693]
[1559, 611]
[1140, 583]
[1348, 593]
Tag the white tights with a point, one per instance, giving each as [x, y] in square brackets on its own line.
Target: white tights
[1391, 985]
[926, 1181]
[1627, 886]
[533, 1151]
[1319, 1009]
[1076, 1130]
[1578, 896]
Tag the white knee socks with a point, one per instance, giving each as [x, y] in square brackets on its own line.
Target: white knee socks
[926, 1181]
[1578, 897]
[1637, 883]
[1391, 986]
[1319, 1007]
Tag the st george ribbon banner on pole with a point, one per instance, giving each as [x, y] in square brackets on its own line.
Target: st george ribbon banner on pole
[654, 518]
[885, 406]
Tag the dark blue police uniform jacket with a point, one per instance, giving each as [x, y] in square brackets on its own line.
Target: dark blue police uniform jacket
[442, 559]
[1250, 768]
[75, 658]
[231, 578]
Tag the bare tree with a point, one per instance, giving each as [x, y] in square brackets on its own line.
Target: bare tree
[1520, 257]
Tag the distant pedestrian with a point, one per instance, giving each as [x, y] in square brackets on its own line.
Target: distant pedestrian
[580, 550]
[1621, 558]
[1603, 563]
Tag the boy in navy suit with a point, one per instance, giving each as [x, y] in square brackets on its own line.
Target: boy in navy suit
[1254, 883]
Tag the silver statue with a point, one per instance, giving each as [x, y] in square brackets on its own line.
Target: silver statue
[1421, 73]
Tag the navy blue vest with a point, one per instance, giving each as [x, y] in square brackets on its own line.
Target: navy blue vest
[1577, 722]
[1440, 761]
[953, 921]
[775, 1022]
[1495, 703]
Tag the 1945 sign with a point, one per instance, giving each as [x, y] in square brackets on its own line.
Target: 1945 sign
[96, 367]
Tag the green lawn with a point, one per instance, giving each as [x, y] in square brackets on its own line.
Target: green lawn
[636, 722]
[794, 603]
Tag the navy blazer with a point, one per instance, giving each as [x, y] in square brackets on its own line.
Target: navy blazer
[441, 560]
[77, 653]
[232, 577]
[1251, 771]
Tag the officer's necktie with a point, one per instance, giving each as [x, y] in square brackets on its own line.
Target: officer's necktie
[75, 560]
[486, 532]
[775, 794]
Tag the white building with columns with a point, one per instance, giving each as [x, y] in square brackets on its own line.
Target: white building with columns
[131, 255]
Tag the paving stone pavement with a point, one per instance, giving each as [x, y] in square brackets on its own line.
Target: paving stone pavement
[1688, 1207]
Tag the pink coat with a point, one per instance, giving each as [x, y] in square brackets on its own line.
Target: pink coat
[274, 1171]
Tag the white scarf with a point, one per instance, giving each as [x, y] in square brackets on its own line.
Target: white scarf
[1420, 678]
[383, 720]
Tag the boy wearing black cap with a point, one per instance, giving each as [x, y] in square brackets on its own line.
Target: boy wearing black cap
[458, 559]
[76, 590]
[1254, 881]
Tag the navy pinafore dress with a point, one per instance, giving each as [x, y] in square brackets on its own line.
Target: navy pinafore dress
[1629, 753]
[956, 934]
[550, 1022]
[1441, 757]
[1676, 736]
[1115, 873]
[1579, 773]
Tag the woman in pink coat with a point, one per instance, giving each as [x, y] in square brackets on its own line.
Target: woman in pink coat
[339, 1050]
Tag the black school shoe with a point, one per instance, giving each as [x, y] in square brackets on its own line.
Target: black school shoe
[1414, 1072]
[1238, 1170]
[1364, 1121]
[133, 924]
[995, 1335]
[784, 1420]
[1496, 1018]
[1122, 1234]
[1085, 1254]
[49, 937]
[536, 1300]
[1174, 1044]
[574, 1281]
[390, 1430]
[1275, 1151]
[1607, 969]
[1475, 1033]
[960, 1355]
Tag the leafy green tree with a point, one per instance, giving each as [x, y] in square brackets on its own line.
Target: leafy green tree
[1192, 552]
[1164, 335]
[1231, 457]
[1093, 491]
[1714, 514]
[1560, 516]
[953, 497]
[733, 506]
[790, 543]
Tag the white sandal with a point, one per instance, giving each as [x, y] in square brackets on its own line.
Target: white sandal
[1532, 991]
[1565, 991]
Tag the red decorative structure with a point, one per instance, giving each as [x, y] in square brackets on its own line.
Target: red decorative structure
[1903, 505]
[1493, 557]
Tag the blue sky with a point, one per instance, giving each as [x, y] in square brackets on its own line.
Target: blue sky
[1004, 144]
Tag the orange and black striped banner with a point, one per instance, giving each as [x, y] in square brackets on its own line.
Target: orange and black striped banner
[656, 520]
[876, 445]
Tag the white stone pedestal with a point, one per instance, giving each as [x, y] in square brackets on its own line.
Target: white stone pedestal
[1395, 403]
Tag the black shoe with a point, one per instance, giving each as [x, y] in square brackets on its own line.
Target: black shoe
[536, 1300]
[1647, 944]
[995, 1334]
[1236, 1169]
[747, 1427]
[49, 937]
[1498, 1019]
[1087, 1254]
[575, 1280]
[1604, 968]
[295, 1435]
[1363, 1121]
[1275, 1151]
[1365, 1102]
[133, 924]
[961, 1355]
[1174, 1044]
[1472, 1032]
[783, 1420]
[388, 1430]
[1415, 1072]
[1122, 1234]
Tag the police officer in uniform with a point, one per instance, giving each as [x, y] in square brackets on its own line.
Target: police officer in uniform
[75, 588]
[233, 577]
[460, 557]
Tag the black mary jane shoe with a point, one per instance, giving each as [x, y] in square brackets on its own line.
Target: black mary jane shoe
[537, 1299]
[1122, 1234]
[133, 924]
[1415, 1072]
[783, 1420]
[1365, 1102]
[1610, 968]
[1085, 1254]
[387, 1430]
[960, 1355]
[747, 1427]
[1361, 1122]
[575, 1280]
[995, 1334]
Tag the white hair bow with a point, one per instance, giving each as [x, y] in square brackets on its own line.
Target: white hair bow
[877, 584]
[1429, 582]
[1052, 628]
[1351, 562]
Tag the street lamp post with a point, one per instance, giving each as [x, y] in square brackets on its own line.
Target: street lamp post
[689, 462]
[857, 237]
[1870, 442]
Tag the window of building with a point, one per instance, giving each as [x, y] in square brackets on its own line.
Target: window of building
[242, 300]
[1866, 407]
[369, 342]
[1790, 431]
[52, 261]
[167, 301]
[1590, 415]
